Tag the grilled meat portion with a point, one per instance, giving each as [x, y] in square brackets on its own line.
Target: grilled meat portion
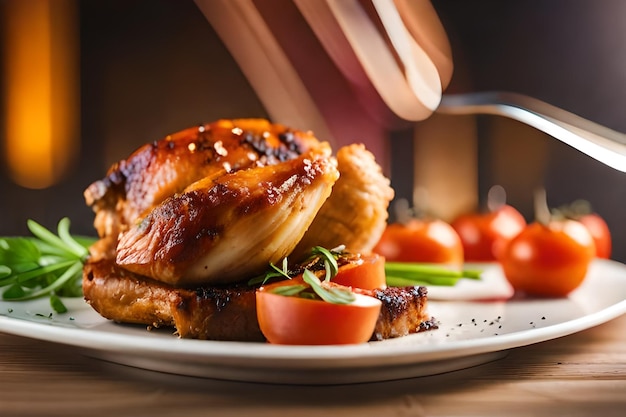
[223, 312]
[185, 220]
[215, 313]
[355, 214]
[230, 226]
[404, 312]
[158, 170]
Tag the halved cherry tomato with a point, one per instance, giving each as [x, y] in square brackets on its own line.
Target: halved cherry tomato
[292, 320]
[548, 260]
[430, 241]
[364, 271]
[484, 235]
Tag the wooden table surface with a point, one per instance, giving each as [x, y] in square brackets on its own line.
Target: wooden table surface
[582, 374]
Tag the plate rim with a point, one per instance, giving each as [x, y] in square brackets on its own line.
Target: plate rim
[240, 354]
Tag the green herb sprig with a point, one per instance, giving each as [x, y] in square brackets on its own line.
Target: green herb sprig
[315, 288]
[272, 273]
[398, 274]
[43, 265]
[328, 294]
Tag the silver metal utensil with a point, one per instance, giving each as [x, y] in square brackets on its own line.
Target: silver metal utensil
[599, 142]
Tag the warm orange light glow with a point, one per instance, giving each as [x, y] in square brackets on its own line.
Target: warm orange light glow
[41, 85]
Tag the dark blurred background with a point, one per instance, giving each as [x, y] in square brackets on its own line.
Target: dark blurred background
[571, 54]
[152, 67]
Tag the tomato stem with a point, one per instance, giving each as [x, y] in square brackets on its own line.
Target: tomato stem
[542, 212]
[496, 198]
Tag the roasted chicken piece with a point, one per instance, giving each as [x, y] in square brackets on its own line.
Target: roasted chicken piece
[224, 312]
[211, 312]
[230, 226]
[355, 214]
[163, 168]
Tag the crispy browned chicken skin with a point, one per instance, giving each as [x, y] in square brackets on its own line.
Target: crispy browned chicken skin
[228, 227]
[163, 168]
[134, 190]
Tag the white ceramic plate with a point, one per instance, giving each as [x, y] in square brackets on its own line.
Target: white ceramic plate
[470, 333]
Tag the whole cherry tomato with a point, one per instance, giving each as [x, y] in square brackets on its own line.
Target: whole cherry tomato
[295, 320]
[484, 235]
[428, 241]
[363, 271]
[582, 211]
[599, 232]
[548, 260]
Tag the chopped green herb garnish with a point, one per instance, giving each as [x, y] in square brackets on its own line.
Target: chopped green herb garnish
[274, 272]
[315, 289]
[329, 259]
[398, 274]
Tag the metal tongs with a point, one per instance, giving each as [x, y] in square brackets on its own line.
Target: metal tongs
[392, 56]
